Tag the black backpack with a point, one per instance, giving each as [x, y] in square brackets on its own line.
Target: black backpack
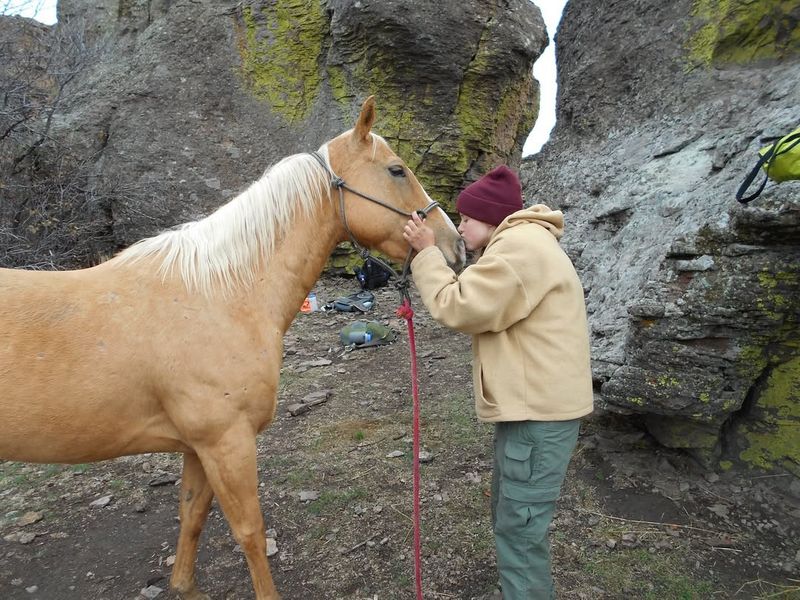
[371, 275]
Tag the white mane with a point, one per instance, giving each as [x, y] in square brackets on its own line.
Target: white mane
[225, 249]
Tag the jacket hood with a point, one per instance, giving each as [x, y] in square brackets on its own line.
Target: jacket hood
[552, 220]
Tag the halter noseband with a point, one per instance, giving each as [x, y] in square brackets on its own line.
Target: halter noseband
[339, 183]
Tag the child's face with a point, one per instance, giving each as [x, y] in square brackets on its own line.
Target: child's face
[475, 233]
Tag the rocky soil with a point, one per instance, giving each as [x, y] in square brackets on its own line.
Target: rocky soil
[634, 521]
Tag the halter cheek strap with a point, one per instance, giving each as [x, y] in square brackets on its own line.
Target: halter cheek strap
[339, 184]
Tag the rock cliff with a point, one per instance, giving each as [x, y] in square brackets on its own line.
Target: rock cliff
[177, 105]
[694, 300]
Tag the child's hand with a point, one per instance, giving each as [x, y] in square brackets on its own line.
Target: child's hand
[417, 234]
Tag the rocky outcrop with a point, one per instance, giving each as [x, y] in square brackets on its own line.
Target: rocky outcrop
[183, 103]
[694, 300]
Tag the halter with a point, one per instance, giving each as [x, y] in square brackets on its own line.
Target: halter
[339, 183]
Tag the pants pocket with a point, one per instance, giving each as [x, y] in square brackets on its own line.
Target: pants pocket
[517, 464]
[528, 494]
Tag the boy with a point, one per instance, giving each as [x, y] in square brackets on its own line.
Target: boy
[523, 304]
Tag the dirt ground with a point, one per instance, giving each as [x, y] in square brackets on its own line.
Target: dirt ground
[634, 520]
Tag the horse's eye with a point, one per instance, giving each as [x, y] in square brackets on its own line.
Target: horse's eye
[397, 171]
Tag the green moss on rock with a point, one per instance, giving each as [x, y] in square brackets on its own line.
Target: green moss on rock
[771, 302]
[487, 118]
[343, 263]
[741, 31]
[280, 45]
[489, 125]
[774, 441]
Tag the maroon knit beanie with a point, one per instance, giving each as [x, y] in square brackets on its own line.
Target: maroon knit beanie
[493, 197]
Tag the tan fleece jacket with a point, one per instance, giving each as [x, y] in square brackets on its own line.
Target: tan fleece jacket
[523, 304]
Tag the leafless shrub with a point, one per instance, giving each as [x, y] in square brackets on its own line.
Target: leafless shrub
[54, 213]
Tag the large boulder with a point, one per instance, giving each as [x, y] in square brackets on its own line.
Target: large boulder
[178, 105]
[694, 300]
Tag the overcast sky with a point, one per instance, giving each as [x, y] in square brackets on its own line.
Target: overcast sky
[544, 70]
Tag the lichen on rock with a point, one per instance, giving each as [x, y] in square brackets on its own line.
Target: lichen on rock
[772, 440]
[739, 31]
[280, 45]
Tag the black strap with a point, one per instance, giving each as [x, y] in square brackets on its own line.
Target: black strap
[780, 146]
[752, 175]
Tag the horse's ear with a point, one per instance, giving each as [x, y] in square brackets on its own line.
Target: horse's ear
[365, 120]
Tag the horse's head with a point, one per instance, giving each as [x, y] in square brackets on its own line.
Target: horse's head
[381, 192]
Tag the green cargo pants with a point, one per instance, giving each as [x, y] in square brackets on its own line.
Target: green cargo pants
[530, 461]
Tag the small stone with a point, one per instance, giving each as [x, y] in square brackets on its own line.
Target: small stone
[26, 538]
[317, 397]
[473, 477]
[322, 362]
[298, 409]
[29, 518]
[611, 544]
[170, 560]
[308, 496]
[703, 263]
[720, 510]
[395, 454]
[163, 479]
[151, 591]
[32, 589]
[22, 538]
[101, 502]
[272, 547]
[425, 456]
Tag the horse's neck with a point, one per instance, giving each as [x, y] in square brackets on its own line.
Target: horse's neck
[296, 264]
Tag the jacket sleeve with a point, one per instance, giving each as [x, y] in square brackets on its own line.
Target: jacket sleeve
[487, 296]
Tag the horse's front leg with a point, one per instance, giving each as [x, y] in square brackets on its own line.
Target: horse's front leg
[230, 465]
[196, 496]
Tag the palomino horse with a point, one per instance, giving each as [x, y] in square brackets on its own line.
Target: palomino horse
[175, 344]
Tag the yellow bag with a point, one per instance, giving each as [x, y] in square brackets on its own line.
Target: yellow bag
[780, 161]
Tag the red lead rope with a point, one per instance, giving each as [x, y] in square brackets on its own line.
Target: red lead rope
[406, 312]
